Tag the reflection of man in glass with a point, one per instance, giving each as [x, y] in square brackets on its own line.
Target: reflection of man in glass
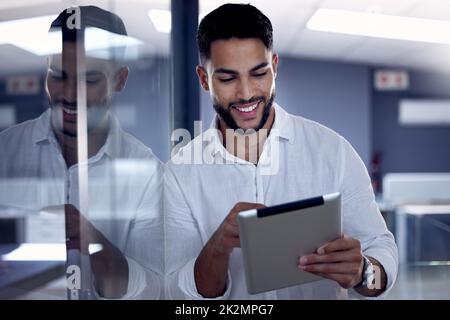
[121, 192]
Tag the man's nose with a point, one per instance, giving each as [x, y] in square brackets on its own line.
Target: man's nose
[70, 90]
[245, 90]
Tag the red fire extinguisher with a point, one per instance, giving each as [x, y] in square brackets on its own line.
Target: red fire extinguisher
[375, 172]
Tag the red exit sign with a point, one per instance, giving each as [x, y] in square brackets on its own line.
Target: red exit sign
[391, 80]
[23, 84]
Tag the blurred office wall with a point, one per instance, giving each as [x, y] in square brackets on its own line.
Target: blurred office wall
[148, 93]
[26, 106]
[411, 148]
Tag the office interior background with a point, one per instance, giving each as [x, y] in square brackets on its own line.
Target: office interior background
[383, 85]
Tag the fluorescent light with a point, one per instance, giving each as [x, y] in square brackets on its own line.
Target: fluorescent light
[20, 30]
[37, 252]
[98, 39]
[380, 26]
[161, 19]
[44, 252]
[95, 40]
[32, 35]
[426, 209]
[5, 4]
[42, 44]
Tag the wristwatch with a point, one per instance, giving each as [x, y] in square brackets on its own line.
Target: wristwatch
[368, 274]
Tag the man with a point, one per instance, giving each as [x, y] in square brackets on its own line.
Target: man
[111, 197]
[203, 256]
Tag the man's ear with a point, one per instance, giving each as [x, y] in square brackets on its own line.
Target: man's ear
[202, 77]
[275, 60]
[121, 79]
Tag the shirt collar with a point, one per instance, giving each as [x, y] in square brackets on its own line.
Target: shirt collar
[282, 128]
[112, 147]
[283, 124]
[42, 131]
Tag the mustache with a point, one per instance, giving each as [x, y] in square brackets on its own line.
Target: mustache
[63, 102]
[242, 101]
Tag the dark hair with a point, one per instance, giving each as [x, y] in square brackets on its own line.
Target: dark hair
[240, 21]
[90, 16]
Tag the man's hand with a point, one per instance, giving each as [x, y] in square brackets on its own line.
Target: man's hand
[211, 266]
[340, 260]
[226, 237]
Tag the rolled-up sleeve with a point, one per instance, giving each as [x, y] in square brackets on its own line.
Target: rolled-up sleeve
[183, 242]
[186, 282]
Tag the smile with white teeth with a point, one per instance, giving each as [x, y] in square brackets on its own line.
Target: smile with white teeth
[247, 109]
[68, 111]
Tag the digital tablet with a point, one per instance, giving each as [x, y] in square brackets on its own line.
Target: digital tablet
[273, 239]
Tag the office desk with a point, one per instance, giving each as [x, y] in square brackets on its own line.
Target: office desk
[422, 281]
[19, 277]
[423, 233]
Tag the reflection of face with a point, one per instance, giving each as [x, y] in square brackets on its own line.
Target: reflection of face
[62, 90]
[240, 76]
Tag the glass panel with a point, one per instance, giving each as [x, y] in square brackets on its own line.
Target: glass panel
[84, 102]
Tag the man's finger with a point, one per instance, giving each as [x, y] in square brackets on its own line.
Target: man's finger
[231, 230]
[239, 207]
[340, 244]
[343, 256]
[242, 206]
[340, 268]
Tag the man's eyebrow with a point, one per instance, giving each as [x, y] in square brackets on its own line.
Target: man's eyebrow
[259, 66]
[227, 71]
[232, 72]
[88, 73]
[94, 73]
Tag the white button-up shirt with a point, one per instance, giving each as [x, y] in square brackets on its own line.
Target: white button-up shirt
[300, 159]
[124, 192]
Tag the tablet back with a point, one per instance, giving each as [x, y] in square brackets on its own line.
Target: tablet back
[273, 239]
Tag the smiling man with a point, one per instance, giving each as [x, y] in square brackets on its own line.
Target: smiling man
[236, 106]
[203, 257]
[103, 79]
[119, 180]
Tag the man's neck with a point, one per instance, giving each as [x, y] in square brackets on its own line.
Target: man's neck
[250, 146]
[69, 144]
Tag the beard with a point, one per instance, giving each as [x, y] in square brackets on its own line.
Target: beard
[225, 113]
[96, 115]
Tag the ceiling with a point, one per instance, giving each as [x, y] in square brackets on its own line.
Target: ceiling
[289, 18]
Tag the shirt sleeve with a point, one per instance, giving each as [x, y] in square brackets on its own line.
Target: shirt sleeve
[361, 217]
[145, 244]
[136, 282]
[183, 243]
[143, 247]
